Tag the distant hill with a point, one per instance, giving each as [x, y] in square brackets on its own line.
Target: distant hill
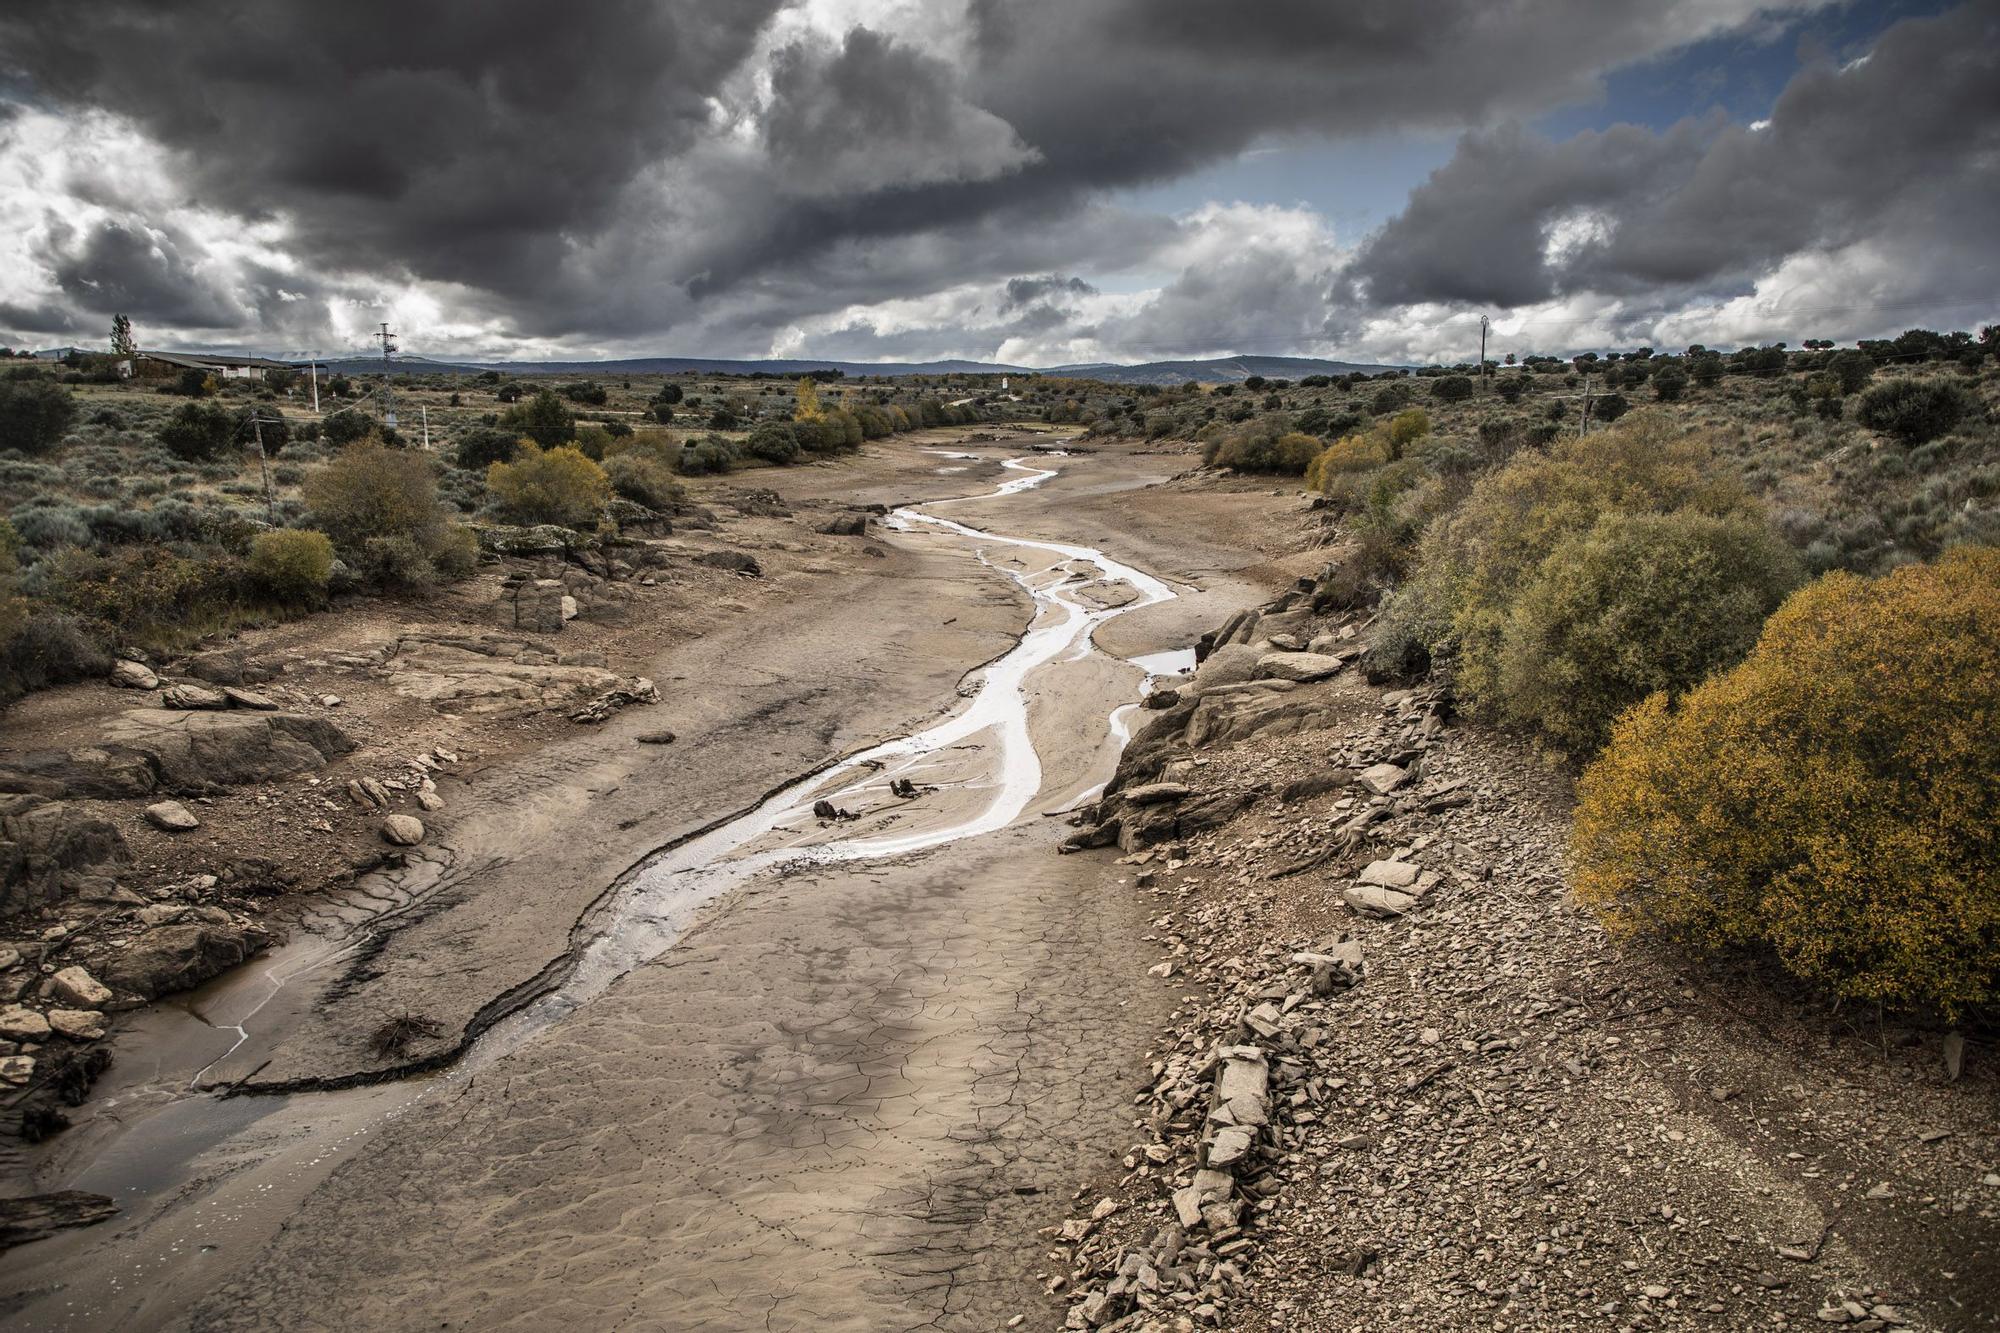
[1222, 370]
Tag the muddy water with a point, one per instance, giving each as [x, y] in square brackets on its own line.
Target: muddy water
[199, 1172]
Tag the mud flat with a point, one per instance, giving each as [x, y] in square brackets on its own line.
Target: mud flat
[829, 1087]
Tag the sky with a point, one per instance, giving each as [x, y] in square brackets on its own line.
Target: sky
[1034, 182]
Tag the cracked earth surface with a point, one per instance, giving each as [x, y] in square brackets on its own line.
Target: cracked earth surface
[839, 1104]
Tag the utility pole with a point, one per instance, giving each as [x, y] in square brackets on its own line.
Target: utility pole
[264, 466]
[1482, 346]
[312, 364]
[388, 341]
[1583, 422]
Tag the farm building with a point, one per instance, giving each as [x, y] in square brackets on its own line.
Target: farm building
[167, 365]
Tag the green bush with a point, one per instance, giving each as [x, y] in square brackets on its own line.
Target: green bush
[644, 480]
[1451, 388]
[1834, 800]
[1263, 450]
[35, 413]
[482, 446]
[1474, 561]
[559, 486]
[542, 418]
[1851, 370]
[346, 426]
[775, 442]
[1913, 411]
[292, 564]
[199, 431]
[710, 454]
[43, 648]
[380, 508]
[1639, 603]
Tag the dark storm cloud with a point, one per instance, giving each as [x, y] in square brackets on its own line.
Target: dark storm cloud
[117, 268]
[1029, 291]
[873, 114]
[614, 171]
[1129, 91]
[1900, 148]
[458, 141]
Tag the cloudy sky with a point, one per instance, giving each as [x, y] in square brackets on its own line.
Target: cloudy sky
[1030, 181]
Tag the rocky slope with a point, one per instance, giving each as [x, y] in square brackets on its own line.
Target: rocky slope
[1411, 1083]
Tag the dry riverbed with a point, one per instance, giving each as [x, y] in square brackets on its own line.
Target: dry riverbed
[847, 1089]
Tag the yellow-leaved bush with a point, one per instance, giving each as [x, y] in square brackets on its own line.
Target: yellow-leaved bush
[1834, 799]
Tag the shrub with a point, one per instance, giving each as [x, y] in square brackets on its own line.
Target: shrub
[1640, 603]
[1851, 369]
[49, 527]
[1510, 387]
[542, 418]
[35, 413]
[1263, 450]
[643, 480]
[1913, 411]
[482, 446]
[43, 648]
[198, 431]
[380, 508]
[1406, 428]
[549, 486]
[292, 564]
[1833, 800]
[1609, 407]
[775, 442]
[1389, 398]
[1451, 388]
[1669, 383]
[249, 422]
[588, 392]
[346, 426]
[707, 455]
[1474, 561]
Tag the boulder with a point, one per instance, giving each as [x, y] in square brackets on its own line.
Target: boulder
[1390, 874]
[1373, 900]
[1382, 778]
[41, 839]
[1161, 699]
[77, 1024]
[192, 696]
[79, 988]
[1227, 665]
[174, 958]
[171, 817]
[847, 525]
[402, 830]
[230, 666]
[242, 698]
[1153, 793]
[541, 539]
[535, 607]
[20, 1023]
[134, 676]
[204, 752]
[1299, 667]
[739, 562]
